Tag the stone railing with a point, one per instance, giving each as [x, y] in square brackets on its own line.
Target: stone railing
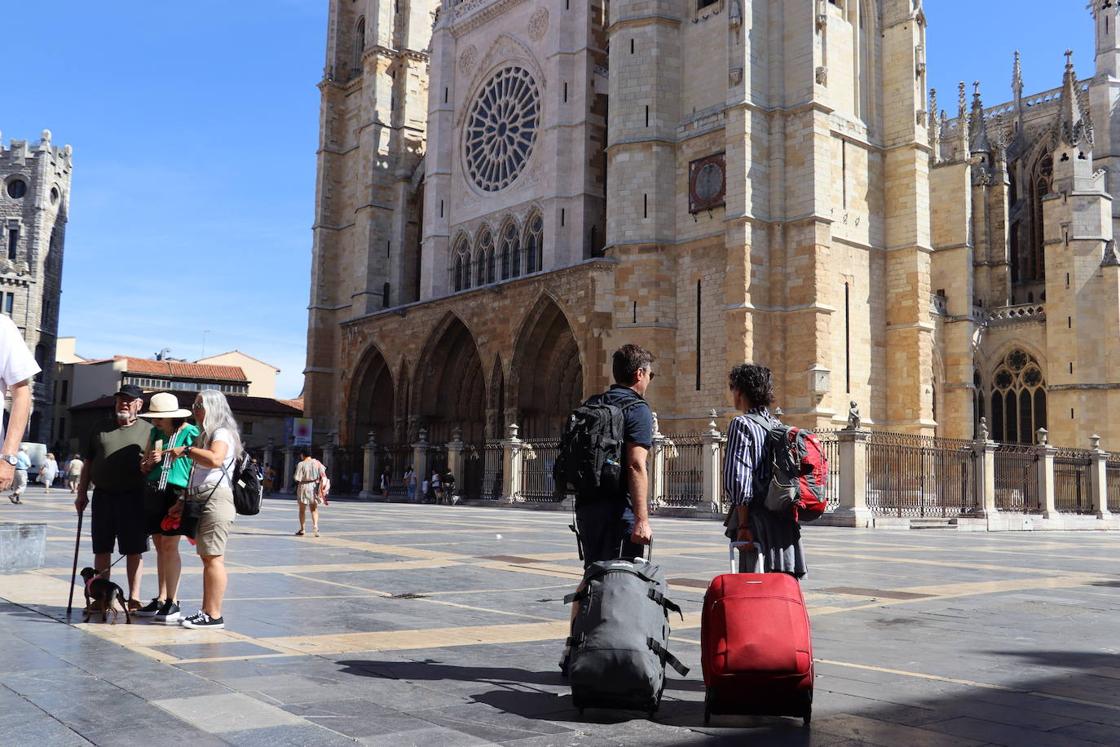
[938, 304]
[1027, 312]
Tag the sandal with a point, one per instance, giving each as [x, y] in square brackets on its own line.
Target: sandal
[299, 533]
[316, 532]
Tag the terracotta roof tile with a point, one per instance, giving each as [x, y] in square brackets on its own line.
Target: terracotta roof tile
[181, 370]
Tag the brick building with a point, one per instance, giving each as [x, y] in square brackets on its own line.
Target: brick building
[509, 190]
[34, 203]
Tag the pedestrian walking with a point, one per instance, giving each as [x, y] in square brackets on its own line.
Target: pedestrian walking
[167, 480]
[48, 473]
[73, 473]
[449, 488]
[437, 487]
[410, 484]
[308, 478]
[19, 484]
[612, 520]
[776, 535]
[209, 498]
[112, 466]
[383, 484]
[17, 367]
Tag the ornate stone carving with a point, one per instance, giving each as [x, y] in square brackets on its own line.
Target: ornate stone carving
[538, 24]
[468, 59]
[853, 416]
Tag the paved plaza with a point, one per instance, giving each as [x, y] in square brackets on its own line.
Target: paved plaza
[439, 625]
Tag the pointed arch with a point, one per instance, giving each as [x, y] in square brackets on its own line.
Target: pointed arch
[449, 388]
[546, 378]
[358, 47]
[1016, 392]
[484, 256]
[533, 243]
[496, 410]
[460, 263]
[509, 242]
[372, 399]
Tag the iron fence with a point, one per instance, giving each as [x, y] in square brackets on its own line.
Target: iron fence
[537, 485]
[473, 469]
[398, 460]
[1072, 492]
[347, 470]
[920, 476]
[1112, 482]
[1017, 478]
[831, 446]
[493, 461]
[683, 486]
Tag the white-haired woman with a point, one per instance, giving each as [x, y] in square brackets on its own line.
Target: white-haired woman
[211, 496]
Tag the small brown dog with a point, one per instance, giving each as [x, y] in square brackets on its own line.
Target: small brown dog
[100, 594]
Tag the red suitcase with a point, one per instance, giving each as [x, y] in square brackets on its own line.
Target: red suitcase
[756, 649]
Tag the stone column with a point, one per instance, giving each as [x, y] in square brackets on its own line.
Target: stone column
[289, 468]
[853, 510]
[266, 460]
[1098, 478]
[455, 458]
[328, 454]
[712, 467]
[657, 466]
[512, 453]
[420, 461]
[1046, 492]
[369, 467]
[985, 450]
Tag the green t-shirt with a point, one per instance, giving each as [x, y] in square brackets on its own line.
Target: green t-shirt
[181, 469]
[114, 456]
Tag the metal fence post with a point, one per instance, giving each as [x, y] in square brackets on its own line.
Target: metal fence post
[1046, 488]
[512, 448]
[1098, 478]
[712, 467]
[852, 448]
[369, 466]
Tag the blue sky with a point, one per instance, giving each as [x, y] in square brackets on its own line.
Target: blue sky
[195, 125]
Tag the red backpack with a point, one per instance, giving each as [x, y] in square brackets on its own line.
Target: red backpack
[798, 470]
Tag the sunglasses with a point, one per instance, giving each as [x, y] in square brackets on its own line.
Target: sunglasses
[197, 406]
[651, 374]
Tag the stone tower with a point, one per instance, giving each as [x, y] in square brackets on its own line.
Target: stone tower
[34, 202]
[373, 127]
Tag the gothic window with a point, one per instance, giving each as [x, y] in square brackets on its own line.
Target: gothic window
[484, 250]
[534, 244]
[511, 251]
[1017, 392]
[501, 129]
[461, 267]
[358, 48]
[13, 243]
[1031, 265]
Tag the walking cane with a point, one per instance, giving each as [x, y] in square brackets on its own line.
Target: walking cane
[74, 570]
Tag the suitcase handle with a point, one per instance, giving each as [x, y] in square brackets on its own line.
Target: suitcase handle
[738, 547]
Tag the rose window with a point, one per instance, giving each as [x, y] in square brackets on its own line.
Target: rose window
[502, 128]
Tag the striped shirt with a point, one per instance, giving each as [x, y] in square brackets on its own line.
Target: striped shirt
[746, 440]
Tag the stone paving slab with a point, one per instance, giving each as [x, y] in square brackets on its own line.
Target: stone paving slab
[436, 625]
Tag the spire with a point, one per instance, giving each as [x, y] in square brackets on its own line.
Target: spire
[1073, 126]
[978, 130]
[964, 130]
[1017, 77]
[934, 127]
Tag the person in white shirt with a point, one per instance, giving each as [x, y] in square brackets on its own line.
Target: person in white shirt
[17, 367]
[211, 485]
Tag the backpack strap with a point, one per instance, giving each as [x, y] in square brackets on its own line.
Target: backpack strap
[666, 657]
[665, 602]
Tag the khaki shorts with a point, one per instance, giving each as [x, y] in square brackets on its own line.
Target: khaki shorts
[215, 522]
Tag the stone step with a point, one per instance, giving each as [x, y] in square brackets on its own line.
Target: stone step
[933, 523]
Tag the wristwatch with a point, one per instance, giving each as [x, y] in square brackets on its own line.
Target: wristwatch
[11, 459]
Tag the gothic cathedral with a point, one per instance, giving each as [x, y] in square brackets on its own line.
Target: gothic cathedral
[508, 190]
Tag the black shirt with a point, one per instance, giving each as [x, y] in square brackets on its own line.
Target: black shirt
[638, 423]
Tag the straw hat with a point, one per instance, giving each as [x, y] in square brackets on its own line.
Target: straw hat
[165, 405]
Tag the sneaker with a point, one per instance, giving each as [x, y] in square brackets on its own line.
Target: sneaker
[168, 614]
[151, 608]
[201, 620]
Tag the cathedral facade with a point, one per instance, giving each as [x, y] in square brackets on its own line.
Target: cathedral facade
[508, 190]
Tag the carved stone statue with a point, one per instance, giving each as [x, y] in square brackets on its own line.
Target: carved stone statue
[853, 416]
[984, 432]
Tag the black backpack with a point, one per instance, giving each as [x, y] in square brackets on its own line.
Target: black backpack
[589, 461]
[247, 486]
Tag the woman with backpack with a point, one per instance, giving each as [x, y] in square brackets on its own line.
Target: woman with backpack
[746, 474]
[209, 497]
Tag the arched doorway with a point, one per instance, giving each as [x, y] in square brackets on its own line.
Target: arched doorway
[450, 390]
[373, 400]
[548, 371]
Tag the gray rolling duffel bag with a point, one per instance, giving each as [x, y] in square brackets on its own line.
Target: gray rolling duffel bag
[620, 637]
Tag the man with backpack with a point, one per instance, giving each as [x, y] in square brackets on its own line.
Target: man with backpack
[611, 486]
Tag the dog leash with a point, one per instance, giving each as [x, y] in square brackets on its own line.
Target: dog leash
[102, 573]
